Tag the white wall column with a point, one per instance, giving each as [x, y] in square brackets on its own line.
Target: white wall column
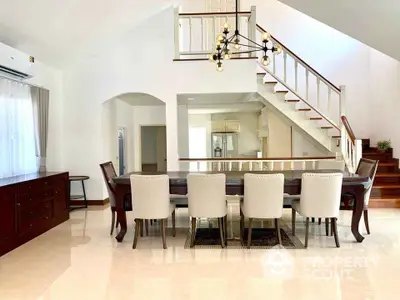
[183, 131]
[172, 133]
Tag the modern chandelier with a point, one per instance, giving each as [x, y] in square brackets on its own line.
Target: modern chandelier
[225, 42]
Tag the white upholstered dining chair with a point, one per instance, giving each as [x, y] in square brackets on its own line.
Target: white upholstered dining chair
[320, 197]
[263, 199]
[329, 165]
[151, 200]
[207, 199]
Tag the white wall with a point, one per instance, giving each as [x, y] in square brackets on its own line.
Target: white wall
[364, 20]
[279, 135]
[120, 68]
[51, 79]
[371, 78]
[303, 146]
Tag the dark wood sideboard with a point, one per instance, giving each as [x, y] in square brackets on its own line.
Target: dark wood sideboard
[30, 205]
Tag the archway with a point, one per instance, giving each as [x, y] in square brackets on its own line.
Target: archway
[130, 122]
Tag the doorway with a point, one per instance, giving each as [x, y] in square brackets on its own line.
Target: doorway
[122, 154]
[154, 148]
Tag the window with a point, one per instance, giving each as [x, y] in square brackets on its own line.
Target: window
[17, 137]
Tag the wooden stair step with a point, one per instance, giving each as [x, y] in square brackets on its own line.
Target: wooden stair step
[281, 92]
[327, 127]
[292, 101]
[304, 109]
[316, 119]
[386, 178]
[385, 202]
[387, 164]
[385, 198]
[271, 82]
[387, 186]
[388, 175]
[385, 190]
[262, 73]
[336, 137]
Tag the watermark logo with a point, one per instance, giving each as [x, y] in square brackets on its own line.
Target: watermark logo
[278, 263]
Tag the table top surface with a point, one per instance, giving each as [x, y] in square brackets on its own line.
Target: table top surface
[236, 177]
[26, 177]
[78, 178]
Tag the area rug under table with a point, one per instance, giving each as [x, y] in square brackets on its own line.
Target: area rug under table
[263, 237]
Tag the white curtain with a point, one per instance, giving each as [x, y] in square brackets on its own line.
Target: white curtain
[17, 138]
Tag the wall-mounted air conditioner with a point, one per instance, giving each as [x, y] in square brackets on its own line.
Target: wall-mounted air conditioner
[15, 64]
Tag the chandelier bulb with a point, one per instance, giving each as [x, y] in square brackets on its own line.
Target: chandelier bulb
[220, 68]
[220, 37]
[277, 49]
[227, 56]
[266, 37]
[211, 57]
[265, 60]
[226, 26]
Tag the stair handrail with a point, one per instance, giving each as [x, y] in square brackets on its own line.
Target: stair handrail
[348, 128]
[326, 118]
[351, 147]
[300, 60]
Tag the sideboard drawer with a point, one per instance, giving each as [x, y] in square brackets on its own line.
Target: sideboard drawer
[37, 211]
[30, 205]
[35, 216]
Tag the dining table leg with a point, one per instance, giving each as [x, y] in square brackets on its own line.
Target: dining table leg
[121, 215]
[358, 192]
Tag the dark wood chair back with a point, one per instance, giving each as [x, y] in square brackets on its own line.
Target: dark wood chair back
[367, 167]
[108, 171]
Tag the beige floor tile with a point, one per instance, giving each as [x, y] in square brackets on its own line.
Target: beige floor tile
[79, 260]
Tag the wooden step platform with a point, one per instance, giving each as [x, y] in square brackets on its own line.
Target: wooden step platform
[386, 189]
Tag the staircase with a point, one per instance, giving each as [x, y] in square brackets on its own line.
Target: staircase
[270, 92]
[386, 187]
[288, 84]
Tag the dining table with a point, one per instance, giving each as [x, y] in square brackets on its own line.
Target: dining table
[353, 185]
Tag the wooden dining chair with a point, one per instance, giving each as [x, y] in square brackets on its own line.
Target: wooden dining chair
[108, 171]
[366, 167]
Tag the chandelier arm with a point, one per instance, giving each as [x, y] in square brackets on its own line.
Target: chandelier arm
[231, 38]
[249, 46]
[237, 16]
[244, 52]
[251, 41]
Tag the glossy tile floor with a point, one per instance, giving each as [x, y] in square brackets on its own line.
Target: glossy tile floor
[79, 260]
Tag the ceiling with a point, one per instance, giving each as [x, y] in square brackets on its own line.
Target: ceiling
[137, 99]
[222, 98]
[54, 30]
[219, 103]
[375, 23]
